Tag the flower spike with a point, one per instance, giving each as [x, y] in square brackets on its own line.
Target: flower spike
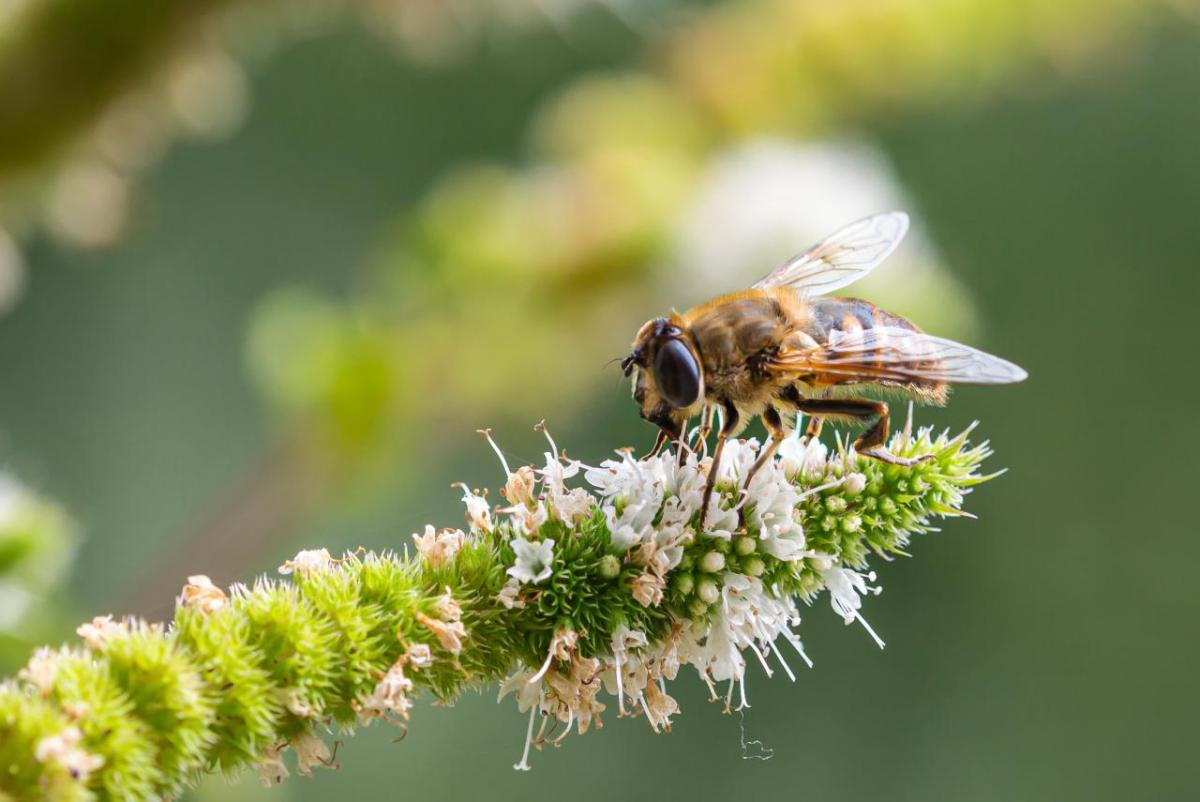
[578, 597]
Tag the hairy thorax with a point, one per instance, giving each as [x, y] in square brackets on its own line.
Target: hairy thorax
[733, 335]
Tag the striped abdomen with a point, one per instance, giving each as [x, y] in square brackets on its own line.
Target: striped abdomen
[851, 317]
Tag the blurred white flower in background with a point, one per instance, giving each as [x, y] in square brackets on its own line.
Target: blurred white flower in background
[9, 9]
[768, 199]
[89, 205]
[207, 94]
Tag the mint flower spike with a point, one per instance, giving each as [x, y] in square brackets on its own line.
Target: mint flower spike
[586, 592]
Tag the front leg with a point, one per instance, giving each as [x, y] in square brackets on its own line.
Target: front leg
[659, 442]
[706, 424]
[729, 425]
[681, 446]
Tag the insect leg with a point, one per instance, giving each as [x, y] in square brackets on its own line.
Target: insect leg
[775, 427]
[813, 429]
[659, 442]
[729, 424]
[791, 397]
[681, 446]
[706, 424]
[774, 424]
[870, 444]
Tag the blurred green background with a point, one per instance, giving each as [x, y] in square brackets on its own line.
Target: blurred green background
[240, 359]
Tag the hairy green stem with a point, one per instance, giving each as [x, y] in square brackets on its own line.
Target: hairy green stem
[141, 711]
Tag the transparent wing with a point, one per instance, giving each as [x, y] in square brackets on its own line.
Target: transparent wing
[844, 257]
[899, 355]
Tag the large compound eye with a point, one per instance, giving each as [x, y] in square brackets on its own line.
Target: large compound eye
[677, 374]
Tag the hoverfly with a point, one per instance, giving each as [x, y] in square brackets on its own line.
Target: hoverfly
[779, 347]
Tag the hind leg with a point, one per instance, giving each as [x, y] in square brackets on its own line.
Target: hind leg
[790, 396]
[813, 430]
[870, 444]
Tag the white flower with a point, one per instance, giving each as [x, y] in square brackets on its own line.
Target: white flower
[747, 618]
[446, 607]
[557, 472]
[773, 499]
[685, 488]
[846, 589]
[419, 656]
[535, 559]
[296, 702]
[390, 696]
[311, 751]
[648, 588]
[527, 518]
[100, 630]
[721, 521]
[571, 695]
[633, 494]
[855, 483]
[574, 505]
[64, 750]
[307, 561]
[624, 639]
[479, 514]
[663, 549]
[450, 634]
[798, 459]
[41, 670]
[520, 485]
[202, 594]
[439, 548]
[717, 659]
[562, 645]
[659, 706]
[631, 524]
[447, 627]
[617, 478]
[271, 769]
[509, 595]
[736, 460]
[528, 693]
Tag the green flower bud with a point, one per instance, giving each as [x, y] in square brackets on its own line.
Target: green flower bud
[712, 562]
[610, 566]
[744, 546]
[708, 591]
[754, 566]
[835, 503]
